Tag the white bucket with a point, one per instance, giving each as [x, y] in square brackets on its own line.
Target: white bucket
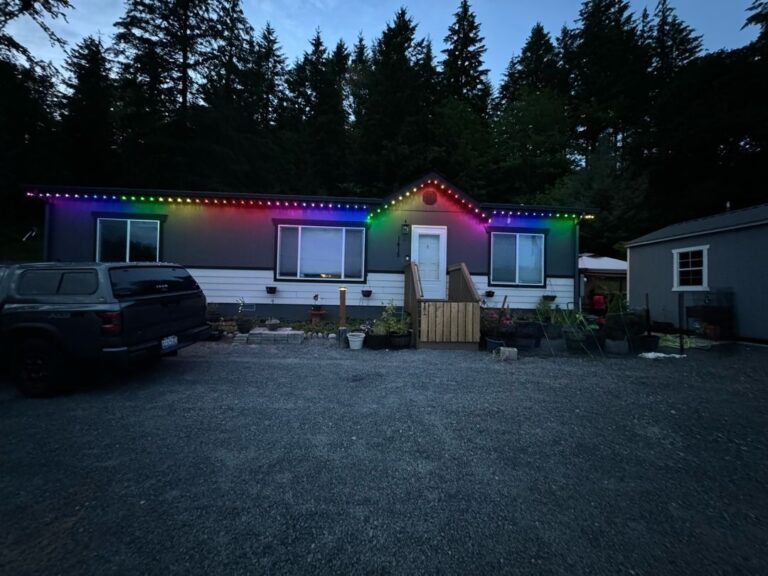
[355, 340]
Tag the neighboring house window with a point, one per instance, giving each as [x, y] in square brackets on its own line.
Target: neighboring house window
[517, 258]
[120, 240]
[690, 268]
[320, 252]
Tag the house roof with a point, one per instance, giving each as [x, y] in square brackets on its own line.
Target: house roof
[86, 191]
[373, 206]
[731, 220]
[605, 264]
[441, 181]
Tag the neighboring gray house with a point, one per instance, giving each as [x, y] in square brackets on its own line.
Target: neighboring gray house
[720, 265]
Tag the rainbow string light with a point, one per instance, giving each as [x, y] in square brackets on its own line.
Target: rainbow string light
[207, 201]
[484, 214]
[372, 208]
[468, 205]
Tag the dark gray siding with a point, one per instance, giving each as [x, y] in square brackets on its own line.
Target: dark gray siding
[736, 263]
[204, 236]
[468, 239]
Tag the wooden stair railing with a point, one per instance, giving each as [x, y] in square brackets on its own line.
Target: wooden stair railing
[452, 321]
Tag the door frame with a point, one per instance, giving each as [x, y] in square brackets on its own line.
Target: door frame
[442, 232]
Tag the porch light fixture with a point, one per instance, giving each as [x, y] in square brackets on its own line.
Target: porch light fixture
[405, 229]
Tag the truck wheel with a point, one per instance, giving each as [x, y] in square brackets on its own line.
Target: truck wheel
[40, 368]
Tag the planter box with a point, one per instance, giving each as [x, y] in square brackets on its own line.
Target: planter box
[376, 341]
[399, 341]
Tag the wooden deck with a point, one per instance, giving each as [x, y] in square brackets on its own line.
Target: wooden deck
[451, 323]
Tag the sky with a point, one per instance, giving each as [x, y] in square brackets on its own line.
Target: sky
[505, 24]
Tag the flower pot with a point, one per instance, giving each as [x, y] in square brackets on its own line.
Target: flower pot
[399, 340]
[272, 326]
[490, 293]
[355, 340]
[376, 341]
[617, 346]
[492, 344]
[367, 293]
[271, 289]
[244, 325]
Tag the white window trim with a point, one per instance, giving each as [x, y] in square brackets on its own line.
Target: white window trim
[127, 236]
[298, 261]
[517, 259]
[676, 269]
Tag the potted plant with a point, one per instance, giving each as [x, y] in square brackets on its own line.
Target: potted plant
[243, 321]
[377, 335]
[272, 324]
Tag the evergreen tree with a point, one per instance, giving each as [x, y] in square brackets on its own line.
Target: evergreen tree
[608, 69]
[463, 75]
[316, 88]
[673, 43]
[268, 81]
[394, 106]
[758, 17]
[359, 72]
[87, 125]
[41, 12]
[228, 54]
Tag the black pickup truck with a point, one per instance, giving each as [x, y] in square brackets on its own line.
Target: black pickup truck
[57, 315]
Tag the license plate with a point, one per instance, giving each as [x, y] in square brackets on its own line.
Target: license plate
[169, 342]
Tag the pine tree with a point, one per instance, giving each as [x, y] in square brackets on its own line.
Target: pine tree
[536, 69]
[608, 71]
[228, 54]
[87, 125]
[673, 43]
[463, 75]
[269, 79]
[390, 154]
[41, 12]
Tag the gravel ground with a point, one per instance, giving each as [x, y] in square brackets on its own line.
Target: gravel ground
[234, 459]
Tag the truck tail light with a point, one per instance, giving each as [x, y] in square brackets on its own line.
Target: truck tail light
[111, 323]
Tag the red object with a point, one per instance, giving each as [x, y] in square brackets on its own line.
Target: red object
[598, 304]
[111, 323]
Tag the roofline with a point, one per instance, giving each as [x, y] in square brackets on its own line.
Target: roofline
[196, 194]
[543, 207]
[635, 243]
[433, 175]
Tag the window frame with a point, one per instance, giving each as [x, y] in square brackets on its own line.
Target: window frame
[517, 234]
[704, 286]
[321, 225]
[128, 221]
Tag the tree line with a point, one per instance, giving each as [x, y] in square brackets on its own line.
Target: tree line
[622, 112]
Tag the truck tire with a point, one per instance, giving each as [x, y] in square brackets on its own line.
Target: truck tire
[40, 368]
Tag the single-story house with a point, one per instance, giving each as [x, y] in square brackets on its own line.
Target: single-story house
[716, 263]
[601, 275]
[282, 254]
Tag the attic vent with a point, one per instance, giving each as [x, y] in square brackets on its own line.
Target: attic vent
[429, 197]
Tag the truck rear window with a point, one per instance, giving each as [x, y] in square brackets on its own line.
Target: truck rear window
[52, 282]
[134, 281]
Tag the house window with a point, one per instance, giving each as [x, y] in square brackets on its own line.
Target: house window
[120, 240]
[320, 252]
[517, 258]
[690, 268]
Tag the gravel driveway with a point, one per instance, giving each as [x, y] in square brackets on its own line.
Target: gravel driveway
[234, 459]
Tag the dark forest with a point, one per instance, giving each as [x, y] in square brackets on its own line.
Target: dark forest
[622, 113]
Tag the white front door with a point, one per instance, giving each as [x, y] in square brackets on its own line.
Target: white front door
[429, 252]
